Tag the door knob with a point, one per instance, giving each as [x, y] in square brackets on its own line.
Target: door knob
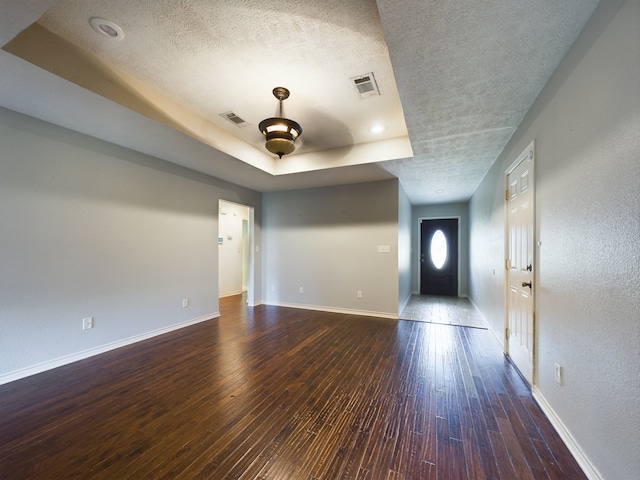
[526, 284]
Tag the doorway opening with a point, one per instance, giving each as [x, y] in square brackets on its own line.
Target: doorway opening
[439, 256]
[235, 251]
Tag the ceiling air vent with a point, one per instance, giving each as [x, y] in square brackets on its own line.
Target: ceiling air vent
[235, 119]
[366, 85]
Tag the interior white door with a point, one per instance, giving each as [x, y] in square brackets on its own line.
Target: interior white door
[520, 261]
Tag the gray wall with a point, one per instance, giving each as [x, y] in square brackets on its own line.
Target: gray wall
[586, 125]
[326, 241]
[445, 210]
[89, 229]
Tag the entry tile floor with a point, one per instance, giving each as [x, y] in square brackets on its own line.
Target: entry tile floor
[457, 311]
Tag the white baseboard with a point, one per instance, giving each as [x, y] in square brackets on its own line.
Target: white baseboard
[74, 357]
[231, 294]
[347, 311]
[588, 468]
[498, 336]
[404, 304]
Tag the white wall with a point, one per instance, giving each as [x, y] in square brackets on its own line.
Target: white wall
[89, 229]
[326, 241]
[586, 124]
[444, 210]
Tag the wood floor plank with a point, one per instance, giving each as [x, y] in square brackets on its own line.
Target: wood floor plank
[474, 470]
[279, 393]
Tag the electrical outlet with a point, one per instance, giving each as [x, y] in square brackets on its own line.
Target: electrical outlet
[185, 302]
[359, 294]
[558, 374]
[87, 323]
[301, 289]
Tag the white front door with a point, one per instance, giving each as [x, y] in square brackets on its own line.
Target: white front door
[520, 261]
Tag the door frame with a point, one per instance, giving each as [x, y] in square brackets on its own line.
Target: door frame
[438, 217]
[529, 151]
[251, 280]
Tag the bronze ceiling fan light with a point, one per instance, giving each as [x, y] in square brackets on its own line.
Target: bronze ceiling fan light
[280, 132]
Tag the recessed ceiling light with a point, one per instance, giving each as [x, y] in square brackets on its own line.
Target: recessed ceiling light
[107, 27]
[377, 128]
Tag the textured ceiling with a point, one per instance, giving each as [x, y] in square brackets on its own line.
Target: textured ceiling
[467, 82]
[458, 77]
[213, 57]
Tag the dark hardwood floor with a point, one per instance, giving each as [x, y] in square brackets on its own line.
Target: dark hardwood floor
[279, 393]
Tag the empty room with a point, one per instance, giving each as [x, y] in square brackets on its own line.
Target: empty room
[319, 240]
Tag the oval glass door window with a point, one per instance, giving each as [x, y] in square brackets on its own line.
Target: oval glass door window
[439, 249]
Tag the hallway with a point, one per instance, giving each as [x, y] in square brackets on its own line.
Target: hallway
[456, 311]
